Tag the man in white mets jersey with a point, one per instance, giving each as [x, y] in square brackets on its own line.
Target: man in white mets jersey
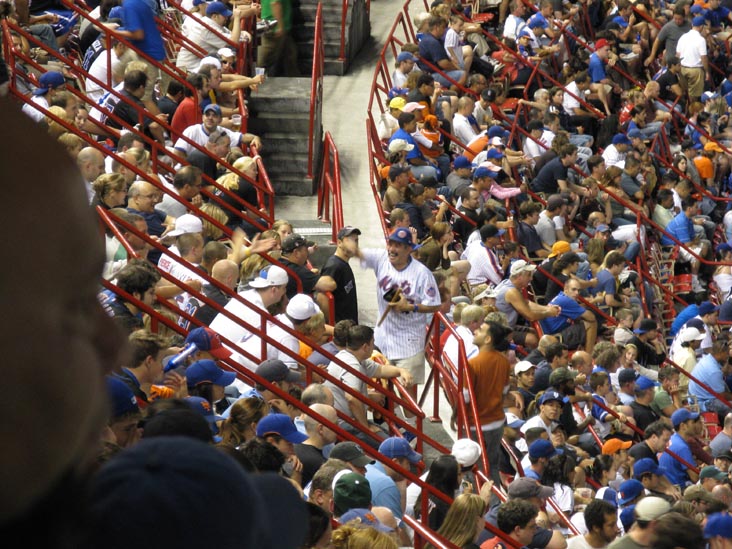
[401, 336]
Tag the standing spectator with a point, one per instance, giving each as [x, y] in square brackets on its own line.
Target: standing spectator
[692, 51]
[338, 269]
[490, 371]
[295, 253]
[278, 51]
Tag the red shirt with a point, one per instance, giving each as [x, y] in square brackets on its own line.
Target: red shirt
[185, 115]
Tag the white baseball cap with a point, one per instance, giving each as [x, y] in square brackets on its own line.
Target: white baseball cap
[467, 452]
[399, 145]
[522, 266]
[413, 106]
[226, 52]
[273, 276]
[187, 223]
[301, 307]
[691, 334]
[523, 366]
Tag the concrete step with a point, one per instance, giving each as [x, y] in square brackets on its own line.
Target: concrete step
[326, 3]
[331, 14]
[294, 123]
[282, 94]
[294, 185]
[331, 31]
[286, 143]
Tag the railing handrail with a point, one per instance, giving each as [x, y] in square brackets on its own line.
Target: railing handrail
[316, 85]
[330, 202]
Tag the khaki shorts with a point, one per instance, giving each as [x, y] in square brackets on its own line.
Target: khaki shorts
[414, 365]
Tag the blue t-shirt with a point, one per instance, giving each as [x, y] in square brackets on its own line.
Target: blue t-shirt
[537, 20]
[605, 283]
[675, 470]
[681, 228]
[415, 152]
[571, 310]
[139, 14]
[432, 50]
[596, 69]
[709, 372]
[717, 17]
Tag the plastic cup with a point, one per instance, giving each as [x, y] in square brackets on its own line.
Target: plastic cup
[236, 122]
[259, 71]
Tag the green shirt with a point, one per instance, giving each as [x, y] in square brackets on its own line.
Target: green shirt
[661, 401]
[267, 12]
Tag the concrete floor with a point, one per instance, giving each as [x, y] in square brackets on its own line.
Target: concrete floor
[348, 128]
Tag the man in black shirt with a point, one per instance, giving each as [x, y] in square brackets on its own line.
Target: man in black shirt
[669, 82]
[131, 110]
[645, 390]
[657, 435]
[337, 267]
[294, 256]
[310, 451]
[650, 348]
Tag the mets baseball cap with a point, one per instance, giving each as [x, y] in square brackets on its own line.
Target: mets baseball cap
[282, 425]
[206, 371]
[643, 383]
[366, 518]
[48, 81]
[498, 131]
[707, 307]
[403, 236]
[208, 340]
[396, 447]
[621, 139]
[461, 162]
[352, 453]
[202, 406]
[482, 172]
[629, 490]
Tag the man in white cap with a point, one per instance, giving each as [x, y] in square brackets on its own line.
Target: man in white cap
[185, 224]
[266, 290]
[642, 533]
[300, 309]
[511, 301]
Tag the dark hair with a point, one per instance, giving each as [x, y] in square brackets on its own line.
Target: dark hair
[405, 118]
[532, 434]
[340, 332]
[424, 78]
[656, 428]
[553, 350]
[602, 464]
[264, 456]
[359, 335]
[515, 512]
[558, 470]
[185, 423]
[443, 474]
[136, 279]
[596, 511]
[676, 530]
[135, 79]
[317, 524]
[175, 87]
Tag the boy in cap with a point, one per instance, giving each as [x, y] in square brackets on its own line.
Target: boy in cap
[125, 414]
[337, 268]
[679, 473]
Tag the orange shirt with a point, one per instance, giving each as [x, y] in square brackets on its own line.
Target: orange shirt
[704, 166]
[489, 371]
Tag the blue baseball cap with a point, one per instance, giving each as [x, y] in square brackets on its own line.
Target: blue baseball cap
[645, 466]
[48, 81]
[396, 91]
[203, 407]
[208, 340]
[635, 133]
[212, 107]
[121, 397]
[498, 131]
[204, 371]
[550, 395]
[461, 162]
[643, 383]
[405, 56]
[608, 494]
[282, 425]
[620, 21]
[394, 447]
[366, 518]
[526, 32]
[707, 307]
[629, 490]
[681, 415]
[696, 9]
[483, 172]
[218, 8]
[542, 448]
[698, 21]
[621, 139]
[724, 247]
[718, 525]
[494, 154]
[535, 22]
[403, 236]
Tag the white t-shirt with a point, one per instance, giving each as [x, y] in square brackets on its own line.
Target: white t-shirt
[197, 134]
[454, 44]
[613, 157]
[513, 26]
[462, 129]
[451, 348]
[98, 70]
[484, 265]
[402, 335]
[238, 334]
[570, 103]
[690, 48]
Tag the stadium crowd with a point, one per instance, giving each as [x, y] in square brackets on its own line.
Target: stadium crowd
[529, 217]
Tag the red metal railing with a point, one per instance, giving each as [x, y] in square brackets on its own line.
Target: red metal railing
[316, 87]
[330, 205]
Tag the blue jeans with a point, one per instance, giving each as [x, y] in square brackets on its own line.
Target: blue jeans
[455, 75]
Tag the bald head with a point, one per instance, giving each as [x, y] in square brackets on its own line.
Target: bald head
[55, 438]
[319, 434]
[90, 162]
[142, 196]
[226, 272]
[385, 516]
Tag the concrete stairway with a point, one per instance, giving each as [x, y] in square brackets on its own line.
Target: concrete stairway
[279, 112]
[358, 30]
